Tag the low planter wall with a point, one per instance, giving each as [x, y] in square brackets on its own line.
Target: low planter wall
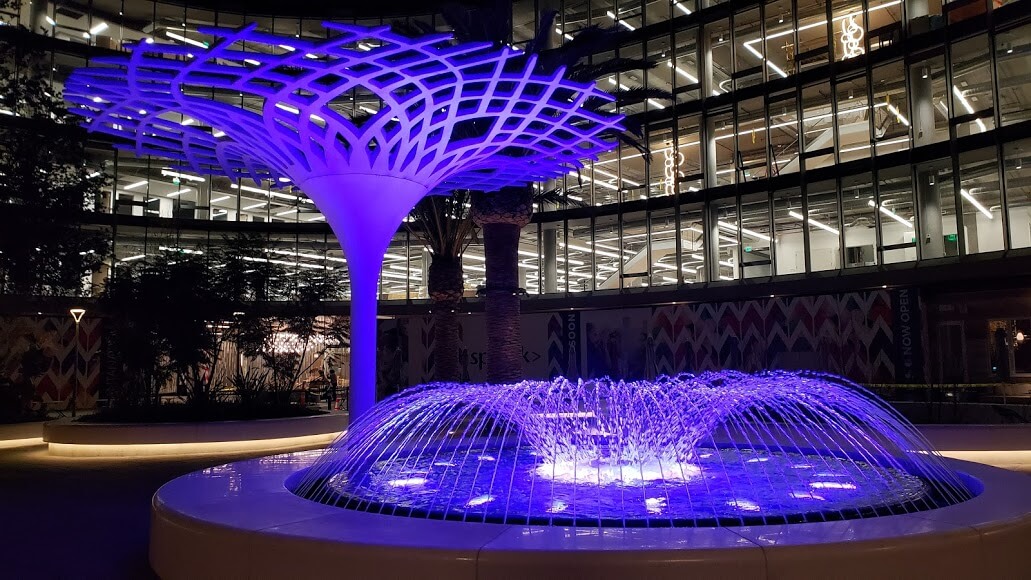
[76, 439]
[1007, 446]
[26, 434]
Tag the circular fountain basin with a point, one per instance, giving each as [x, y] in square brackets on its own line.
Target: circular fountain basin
[242, 520]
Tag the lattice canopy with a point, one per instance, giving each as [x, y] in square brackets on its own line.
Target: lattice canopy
[448, 115]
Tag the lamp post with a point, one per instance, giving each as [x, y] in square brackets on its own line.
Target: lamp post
[76, 316]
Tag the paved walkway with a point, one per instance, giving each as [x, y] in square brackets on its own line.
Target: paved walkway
[89, 518]
[81, 518]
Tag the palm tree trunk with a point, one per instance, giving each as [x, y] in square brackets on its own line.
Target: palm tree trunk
[504, 340]
[445, 289]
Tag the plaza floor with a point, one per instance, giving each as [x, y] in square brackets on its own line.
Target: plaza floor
[81, 518]
[89, 518]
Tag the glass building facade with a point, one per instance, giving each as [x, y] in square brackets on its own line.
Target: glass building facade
[804, 139]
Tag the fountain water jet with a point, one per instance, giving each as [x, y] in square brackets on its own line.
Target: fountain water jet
[722, 448]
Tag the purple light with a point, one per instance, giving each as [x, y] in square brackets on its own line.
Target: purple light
[678, 449]
[446, 116]
[410, 482]
[831, 485]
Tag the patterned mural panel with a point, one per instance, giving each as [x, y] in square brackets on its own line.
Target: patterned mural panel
[850, 334]
[73, 359]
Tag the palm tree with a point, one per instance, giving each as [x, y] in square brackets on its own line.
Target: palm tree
[503, 214]
[442, 224]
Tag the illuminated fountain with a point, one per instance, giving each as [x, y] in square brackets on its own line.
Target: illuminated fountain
[716, 449]
[365, 122]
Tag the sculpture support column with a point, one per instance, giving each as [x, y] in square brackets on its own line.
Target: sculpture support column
[364, 212]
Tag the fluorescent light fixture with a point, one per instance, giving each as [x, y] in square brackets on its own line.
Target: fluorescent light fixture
[287, 212]
[275, 194]
[131, 258]
[746, 231]
[98, 28]
[902, 119]
[682, 72]
[179, 250]
[622, 22]
[966, 105]
[216, 134]
[218, 199]
[966, 195]
[182, 38]
[252, 61]
[891, 214]
[98, 100]
[135, 185]
[187, 121]
[288, 108]
[287, 47]
[50, 21]
[316, 218]
[813, 222]
[255, 206]
[656, 104]
[186, 176]
[681, 7]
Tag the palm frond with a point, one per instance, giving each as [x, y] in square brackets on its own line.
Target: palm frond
[442, 223]
[635, 95]
[556, 197]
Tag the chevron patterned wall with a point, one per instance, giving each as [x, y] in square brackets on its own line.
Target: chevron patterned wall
[851, 334]
[72, 357]
[848, 334]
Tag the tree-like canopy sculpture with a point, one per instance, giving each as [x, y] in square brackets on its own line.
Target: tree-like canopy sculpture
[268, 107]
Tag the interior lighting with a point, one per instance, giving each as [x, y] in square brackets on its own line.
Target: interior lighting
[98, 29]
[753, 233]
[133, 258]
[898, 115]
[891, 214]
[977, 205]
[176, 174]
[621, 22]
[181, 38]
[966, 105]
[813, 222]
[218, 199]
[50, 21]
[140, 183]
[681, 7]
[681, 71]
[822, 22]
[287, 212]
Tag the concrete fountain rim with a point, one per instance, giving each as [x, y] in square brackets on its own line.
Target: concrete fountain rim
[241, 520]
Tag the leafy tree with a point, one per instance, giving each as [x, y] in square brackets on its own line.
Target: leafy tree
[47, 182]
[175, 315]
